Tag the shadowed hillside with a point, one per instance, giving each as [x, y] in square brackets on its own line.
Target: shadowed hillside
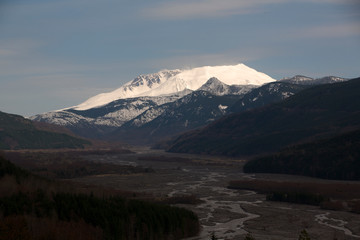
[17, 132]
[314, 113]
[334, 158]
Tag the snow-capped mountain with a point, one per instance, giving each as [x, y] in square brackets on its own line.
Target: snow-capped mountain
[163, 104]
[107, 111]
[169, 82]
[159, 105]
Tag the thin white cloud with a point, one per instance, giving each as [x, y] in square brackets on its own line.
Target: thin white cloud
[190, 9]
[17, 47]
[187, 9]
[340, 30]
[23, 57]
[333, 1]
[49, 92]
[244, 55]
[70, 86]
[6, 52]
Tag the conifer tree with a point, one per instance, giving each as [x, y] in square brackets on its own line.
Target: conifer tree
[304, 235]
[213, 237]
[249, 237]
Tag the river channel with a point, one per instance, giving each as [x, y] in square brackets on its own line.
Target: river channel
[226, 213]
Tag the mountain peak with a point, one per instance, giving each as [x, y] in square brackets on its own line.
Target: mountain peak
[167, 82]
[215, 86]
[212, 82]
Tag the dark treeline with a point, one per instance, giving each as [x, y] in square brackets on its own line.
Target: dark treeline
[302, 236]
[70, 163]
[36, 213]
[332, 195]
[117, 217]
[8, 168]
[333, 158]
[301, 198]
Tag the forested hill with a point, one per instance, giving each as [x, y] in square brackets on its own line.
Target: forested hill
[16, 132]
[334, 158]
[315, 113]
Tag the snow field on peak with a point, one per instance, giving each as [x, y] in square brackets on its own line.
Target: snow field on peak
[131, 89]
[194, 78]
[172, 81]
[231, 75]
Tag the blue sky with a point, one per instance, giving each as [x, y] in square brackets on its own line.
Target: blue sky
[58, 53]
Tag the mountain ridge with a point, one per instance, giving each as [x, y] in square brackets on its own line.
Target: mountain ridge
[106, 117]
[17, 132]
[316, 112]
[172, 81]
[130, 114]
[193, 110]
[304, 80]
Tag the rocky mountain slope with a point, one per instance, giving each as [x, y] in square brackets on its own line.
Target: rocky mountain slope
[97, 122]
[199, 109]
[196, 109]
[314, 113]
[266, 94]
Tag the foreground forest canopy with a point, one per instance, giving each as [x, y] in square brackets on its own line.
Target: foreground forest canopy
[35, 208]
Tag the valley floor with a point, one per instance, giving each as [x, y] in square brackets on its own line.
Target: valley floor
[228, 213]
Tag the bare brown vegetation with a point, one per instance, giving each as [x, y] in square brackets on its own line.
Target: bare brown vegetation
[70, 163]
[182, 199]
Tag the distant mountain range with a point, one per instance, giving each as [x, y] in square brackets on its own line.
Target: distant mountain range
[17, 132]
[314, 113]
[157, 106]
